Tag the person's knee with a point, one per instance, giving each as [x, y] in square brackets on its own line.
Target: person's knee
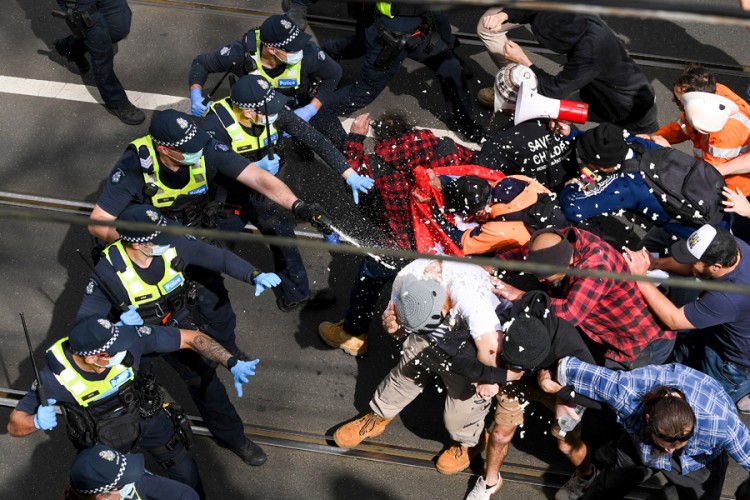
[502, 434]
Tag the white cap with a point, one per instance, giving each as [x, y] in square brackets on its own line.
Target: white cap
[707, 112]
[507, 82]
[691, 250]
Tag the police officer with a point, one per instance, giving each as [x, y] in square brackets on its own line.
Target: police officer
[100, 472]
[97, 26]
[145, 270]
[244, 120]
[92, 374]
[410, 30]
[284, 55]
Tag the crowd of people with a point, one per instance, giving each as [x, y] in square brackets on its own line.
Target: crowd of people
[672, 366]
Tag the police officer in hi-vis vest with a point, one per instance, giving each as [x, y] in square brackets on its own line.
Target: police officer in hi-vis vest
[284, 55]
[146, 271]
[93, 375]
[244, 120]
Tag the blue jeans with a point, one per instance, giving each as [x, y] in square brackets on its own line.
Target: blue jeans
[111, 24]
[734, 378]
[371, 279]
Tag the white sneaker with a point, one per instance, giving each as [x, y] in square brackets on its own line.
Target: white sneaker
[482, 492]
[575, 487]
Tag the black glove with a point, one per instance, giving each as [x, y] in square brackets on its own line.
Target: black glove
[314, 214]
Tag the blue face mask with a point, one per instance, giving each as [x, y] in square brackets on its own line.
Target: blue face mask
[115, 360]
[270, 119]
[293, 57]
[191, 158]
[155, 250]
[127, 491]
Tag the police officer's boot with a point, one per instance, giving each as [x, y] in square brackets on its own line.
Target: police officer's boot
[128, 113]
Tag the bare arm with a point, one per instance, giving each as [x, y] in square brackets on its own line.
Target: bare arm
[258, 179]
[737, 166]
[21, 424]
[488, 348]
[203, 345]
[106, 233]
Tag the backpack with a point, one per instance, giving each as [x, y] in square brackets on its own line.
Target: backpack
[544, 213]
[690, 190]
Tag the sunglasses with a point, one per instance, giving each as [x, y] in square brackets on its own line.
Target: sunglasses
[672, 439]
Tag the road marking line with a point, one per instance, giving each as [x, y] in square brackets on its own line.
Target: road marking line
[144, 100]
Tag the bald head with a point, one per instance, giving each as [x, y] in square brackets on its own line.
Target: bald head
[546, 240]
[550, 247]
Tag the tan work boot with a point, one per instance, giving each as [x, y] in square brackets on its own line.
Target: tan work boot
[457, 458]
[334, 335]
[351, 434]
[486, 97]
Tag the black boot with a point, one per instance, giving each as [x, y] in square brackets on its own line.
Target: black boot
[128, 113]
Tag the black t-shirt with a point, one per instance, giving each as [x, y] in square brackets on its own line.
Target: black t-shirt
[126, 181]
[149, 339]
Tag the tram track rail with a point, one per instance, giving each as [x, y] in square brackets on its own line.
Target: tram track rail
[644, 59]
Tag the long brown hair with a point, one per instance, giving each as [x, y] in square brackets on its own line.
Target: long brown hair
[668, 410]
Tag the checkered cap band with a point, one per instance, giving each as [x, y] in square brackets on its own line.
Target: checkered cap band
[191, 131]
[257, 106]
[148, 237]
[109, 343]
[111, 486]
[294, 33]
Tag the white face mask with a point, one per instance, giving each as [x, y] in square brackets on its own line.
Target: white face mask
[293, 57]
[127, 491]
[115, 360]
[266, 118]
[155, 250]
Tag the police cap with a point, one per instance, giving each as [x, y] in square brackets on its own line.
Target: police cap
[95, 335]
[146, 214]
[280, 32]
[100, 469]
[176, 129]
[256, 93]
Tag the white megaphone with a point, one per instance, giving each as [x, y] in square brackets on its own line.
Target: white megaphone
[531, 105]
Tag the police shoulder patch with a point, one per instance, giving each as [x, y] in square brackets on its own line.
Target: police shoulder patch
[90, 287]
[225, 50]
[321, 55]
[220, 146]
[117, 175]
[144, 331]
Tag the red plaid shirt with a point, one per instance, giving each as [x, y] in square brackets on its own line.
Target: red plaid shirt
[611, 313]
[404, 153]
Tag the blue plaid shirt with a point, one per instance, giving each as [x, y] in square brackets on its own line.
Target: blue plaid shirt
[717, 428]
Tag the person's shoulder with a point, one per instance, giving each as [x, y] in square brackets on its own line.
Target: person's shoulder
[314, 56]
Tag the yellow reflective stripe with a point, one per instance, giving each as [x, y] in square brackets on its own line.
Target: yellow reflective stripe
[291, 72]
[384, 8]
[242, 142]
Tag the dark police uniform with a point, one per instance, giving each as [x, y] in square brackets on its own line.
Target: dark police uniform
[162, 294]
[316, 76]
[413, 31]
[104, 397]
[271, 219]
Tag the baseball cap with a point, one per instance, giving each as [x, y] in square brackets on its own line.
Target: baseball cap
[419, 303]
[145, 214]
[707, 112]
[280, 32]
[694, 248]
[94, 335]
[256, 93]
[100, 469]
[176, 129]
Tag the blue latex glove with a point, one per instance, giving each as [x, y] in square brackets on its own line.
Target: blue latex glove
[306, 112]
[196, 102]
[270, 165]
[130, 317]
[46, 417]
[266, 280]
[241, 371]
[359, 184]
[332, 238]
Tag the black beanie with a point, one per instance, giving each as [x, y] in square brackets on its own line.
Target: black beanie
[603, 146]
[526, 343]
[466, 195]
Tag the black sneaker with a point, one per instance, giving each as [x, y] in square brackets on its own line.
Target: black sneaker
[128, 114]
[285, 306]
[250, 453]
[82, 64]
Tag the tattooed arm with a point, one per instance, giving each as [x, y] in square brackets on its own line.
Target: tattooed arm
[205, 346]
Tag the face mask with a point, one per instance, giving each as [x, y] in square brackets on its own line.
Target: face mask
[115, 360]
[270, 119]
[156, 250]
[127, 491]
[191, 158]
[293, 57]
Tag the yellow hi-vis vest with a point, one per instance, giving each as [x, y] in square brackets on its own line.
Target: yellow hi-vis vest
[165, 196]
[288, 80]
[242, 142]
[140, 292]
[87, 391]
[384, 8]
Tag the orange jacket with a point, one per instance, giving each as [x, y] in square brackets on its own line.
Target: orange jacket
[718, 147]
